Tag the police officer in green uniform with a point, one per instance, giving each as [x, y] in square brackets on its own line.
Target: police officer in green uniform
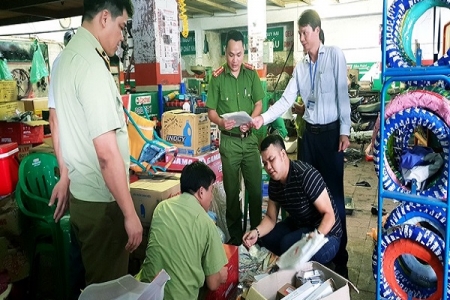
[235, 87]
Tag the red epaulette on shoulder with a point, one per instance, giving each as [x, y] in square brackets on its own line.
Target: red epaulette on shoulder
[249, 66]
[218, 71]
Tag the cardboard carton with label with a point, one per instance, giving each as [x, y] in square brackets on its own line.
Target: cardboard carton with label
[190, 133]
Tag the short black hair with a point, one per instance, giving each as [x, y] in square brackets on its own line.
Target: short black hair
[115, 7]
[322, 36]
[196, 175]
[310, 17]
[273, 139]
[234, 35]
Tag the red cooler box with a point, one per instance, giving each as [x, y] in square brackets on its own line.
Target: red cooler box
[9, 168]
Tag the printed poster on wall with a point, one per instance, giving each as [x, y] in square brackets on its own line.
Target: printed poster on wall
[257, 28]
[168, 35]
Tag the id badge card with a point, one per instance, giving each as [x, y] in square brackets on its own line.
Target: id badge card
[311, 102]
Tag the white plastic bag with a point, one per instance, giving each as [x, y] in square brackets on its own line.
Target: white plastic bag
[127, 288]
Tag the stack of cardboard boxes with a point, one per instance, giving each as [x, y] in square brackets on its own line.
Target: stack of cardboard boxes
[191, 134]
[25, 133]
[8, 99]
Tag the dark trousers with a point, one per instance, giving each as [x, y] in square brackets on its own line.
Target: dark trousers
[241, 155]
[299, 147]
[286, 233]
[100, 232]
[320, 149]
[77, 279]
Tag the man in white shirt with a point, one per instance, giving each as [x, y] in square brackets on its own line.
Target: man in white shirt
[321, 80]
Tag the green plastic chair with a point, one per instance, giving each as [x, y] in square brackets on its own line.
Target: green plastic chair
[38, 175]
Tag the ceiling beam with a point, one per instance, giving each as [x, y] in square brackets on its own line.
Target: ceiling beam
[279, 3]
[217, 6]
[17, 4]
[240, 2]
[21, 20]
[50, 14]
[202, 11]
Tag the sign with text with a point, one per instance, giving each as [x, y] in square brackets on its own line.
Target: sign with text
[367, 70]
[275, 34]
[187, 45]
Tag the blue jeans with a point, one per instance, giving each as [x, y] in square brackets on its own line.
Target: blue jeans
[285, 234]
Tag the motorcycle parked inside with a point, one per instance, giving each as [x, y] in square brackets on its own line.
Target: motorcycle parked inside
[365, 108]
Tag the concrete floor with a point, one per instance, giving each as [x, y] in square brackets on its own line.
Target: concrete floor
[360, 246]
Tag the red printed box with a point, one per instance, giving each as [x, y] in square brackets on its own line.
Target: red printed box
[22, 132]
[228, 289]
[212, 159]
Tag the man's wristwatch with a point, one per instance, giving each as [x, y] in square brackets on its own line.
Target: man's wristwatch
[257, 232]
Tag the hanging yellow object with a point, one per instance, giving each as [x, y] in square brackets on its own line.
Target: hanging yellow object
[183, 18]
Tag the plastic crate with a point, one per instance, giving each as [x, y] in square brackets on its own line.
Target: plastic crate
[21, 133]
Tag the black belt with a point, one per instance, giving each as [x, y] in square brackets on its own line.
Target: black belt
[237, 135]
[318, 128]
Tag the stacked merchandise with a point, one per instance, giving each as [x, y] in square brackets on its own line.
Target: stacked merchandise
[411, 255]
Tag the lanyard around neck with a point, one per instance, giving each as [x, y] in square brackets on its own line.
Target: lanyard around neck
[312, 76]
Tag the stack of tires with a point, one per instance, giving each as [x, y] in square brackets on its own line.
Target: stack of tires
[428, 108]
[412, 242]
[412, 253]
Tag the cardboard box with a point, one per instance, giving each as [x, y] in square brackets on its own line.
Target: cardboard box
[8, 109]
[285, 290]
[36, 105]
[22, 132]
[8, 90]
[212, 159]
[24, 150]
[190, 133]
[229, 288]
[45, 147]
[147, 193]
[266, 288]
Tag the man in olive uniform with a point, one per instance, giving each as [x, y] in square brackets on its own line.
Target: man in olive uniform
[235, 87]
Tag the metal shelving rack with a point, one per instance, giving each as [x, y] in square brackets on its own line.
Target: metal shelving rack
[390, 75]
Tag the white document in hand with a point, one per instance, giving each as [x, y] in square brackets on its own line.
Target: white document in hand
[240, 117]
[302, 251]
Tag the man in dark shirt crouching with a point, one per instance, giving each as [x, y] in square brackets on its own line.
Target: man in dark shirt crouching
[300, 190]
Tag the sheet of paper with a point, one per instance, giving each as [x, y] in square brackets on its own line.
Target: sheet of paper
[240, 117]
[301, 252]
